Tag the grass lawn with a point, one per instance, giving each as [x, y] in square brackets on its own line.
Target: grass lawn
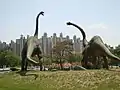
[62, 80]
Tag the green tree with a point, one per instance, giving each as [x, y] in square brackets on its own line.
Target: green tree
[9, 59]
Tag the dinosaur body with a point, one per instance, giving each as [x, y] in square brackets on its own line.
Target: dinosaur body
[31, 48]
[94, 50]
[97, 49]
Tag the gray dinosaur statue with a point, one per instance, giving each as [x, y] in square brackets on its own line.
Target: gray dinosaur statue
[31, 48]
[94, 49]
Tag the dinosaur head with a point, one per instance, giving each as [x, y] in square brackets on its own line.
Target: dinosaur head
[68, 23]
[36, 31]
[81, 30]
[42, 13]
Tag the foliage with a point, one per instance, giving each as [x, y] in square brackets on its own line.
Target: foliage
[47, 60]
[9, 59]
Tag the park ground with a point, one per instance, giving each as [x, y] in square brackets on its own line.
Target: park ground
[62, 80]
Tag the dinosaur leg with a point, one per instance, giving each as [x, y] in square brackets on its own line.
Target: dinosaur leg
[37, 51]
[98, 63]
[89, 62]
[105, 62]
[26, 64]
[40, 57]
[85, 61]
[29, 54]
[23, 63]
[93, 58]
[40, 62]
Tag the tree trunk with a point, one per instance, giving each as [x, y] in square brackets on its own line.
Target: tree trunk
[106, 62]
[40, 62]
[61, 66]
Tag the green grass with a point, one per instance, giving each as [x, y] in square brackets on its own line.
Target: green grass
[62, 80]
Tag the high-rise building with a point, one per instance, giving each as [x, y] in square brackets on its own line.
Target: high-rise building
[20, 44]
[4, 45]
[13, 46]
[49, 45]
[67, 38]
[0, 45]
[61, 37]
[74, 43]
[18, 47]
[46, 43]
[54, 39]
[77, 45]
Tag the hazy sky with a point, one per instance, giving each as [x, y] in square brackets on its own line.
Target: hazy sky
[96, 17]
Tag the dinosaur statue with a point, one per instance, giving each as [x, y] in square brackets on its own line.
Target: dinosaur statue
[94, 49]
[32, 48]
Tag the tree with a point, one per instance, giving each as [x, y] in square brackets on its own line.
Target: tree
[9, 59]
[62, 51]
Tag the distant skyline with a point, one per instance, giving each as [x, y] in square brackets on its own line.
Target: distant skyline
[96, 17]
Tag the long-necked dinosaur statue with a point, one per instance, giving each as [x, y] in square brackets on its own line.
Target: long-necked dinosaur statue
[95, 48]
[31, 48]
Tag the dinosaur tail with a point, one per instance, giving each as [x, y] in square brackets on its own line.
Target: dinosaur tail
[36, 30]
[108, 53]
[82, 31]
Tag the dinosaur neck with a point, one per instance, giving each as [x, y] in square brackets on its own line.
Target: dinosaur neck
[83, 34]
[36, 30]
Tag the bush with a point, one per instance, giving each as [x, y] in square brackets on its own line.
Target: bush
[8, 58]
